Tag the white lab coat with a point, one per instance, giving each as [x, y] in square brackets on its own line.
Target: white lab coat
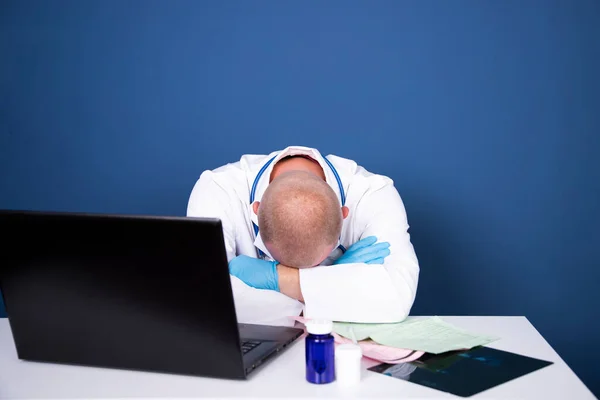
[345, 292]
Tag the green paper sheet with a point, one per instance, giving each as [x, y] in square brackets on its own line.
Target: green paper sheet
[431, 335]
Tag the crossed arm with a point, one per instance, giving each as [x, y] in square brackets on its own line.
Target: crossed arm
[363, 292]
[289, 282]
[271, 275]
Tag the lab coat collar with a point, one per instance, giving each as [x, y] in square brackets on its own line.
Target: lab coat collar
[263, 182]
[259, 244]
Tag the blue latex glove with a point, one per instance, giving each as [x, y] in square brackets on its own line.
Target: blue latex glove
[365, 251]
[259, 274]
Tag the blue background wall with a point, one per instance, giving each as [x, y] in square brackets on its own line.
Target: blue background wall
[485, 113]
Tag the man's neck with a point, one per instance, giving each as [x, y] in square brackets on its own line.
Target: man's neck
[297, 163]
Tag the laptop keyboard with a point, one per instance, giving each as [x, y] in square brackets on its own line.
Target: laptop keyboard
[248, 345]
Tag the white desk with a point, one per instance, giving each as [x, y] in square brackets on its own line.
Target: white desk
[284, 376]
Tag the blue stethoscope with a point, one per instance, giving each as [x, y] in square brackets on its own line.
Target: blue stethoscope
[264, 168]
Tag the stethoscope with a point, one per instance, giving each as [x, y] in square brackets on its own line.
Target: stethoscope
[264, 168]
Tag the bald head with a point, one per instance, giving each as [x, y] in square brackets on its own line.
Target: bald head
[300, 219]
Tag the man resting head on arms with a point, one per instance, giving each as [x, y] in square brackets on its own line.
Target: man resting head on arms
[320, 230]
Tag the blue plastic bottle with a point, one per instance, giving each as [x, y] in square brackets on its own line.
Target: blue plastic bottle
[320, 352]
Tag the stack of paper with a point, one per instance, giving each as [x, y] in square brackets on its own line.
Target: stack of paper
[375, 351]
[431, 335]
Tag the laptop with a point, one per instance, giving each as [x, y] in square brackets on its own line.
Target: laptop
[128, 292]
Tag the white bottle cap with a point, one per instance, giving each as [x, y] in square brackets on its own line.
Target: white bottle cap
[319, 326]
[347, 364]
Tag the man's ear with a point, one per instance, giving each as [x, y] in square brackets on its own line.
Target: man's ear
[345, 211]
[255, 207]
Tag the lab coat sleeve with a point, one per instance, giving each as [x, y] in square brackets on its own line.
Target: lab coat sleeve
[211, 199]
[368, 293]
